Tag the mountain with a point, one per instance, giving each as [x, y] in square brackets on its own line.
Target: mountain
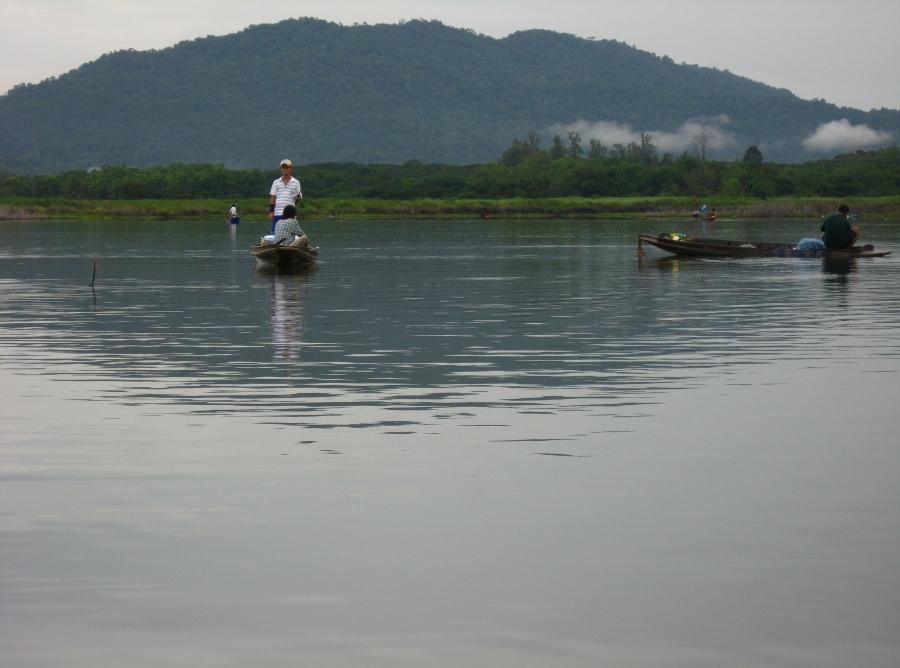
[316, 91]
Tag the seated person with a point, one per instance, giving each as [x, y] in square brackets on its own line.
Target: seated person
[287, 230]
[837, 232]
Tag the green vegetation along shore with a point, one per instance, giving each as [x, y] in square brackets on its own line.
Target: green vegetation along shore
[29, 208]
[526, 182]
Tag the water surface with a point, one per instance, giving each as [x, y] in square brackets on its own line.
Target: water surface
[452, 443]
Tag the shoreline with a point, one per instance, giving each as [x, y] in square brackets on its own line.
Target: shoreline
[674, 208]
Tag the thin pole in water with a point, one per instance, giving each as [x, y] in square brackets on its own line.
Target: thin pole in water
[93, 276]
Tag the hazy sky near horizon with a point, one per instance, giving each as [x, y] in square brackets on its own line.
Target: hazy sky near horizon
[844, 51]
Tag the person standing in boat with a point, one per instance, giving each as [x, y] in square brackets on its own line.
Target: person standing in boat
[837, 231]
[287, 229]
[232, 215]
[285, 190]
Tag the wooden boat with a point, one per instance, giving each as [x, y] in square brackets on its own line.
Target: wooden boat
[284, 256]
[689, 246]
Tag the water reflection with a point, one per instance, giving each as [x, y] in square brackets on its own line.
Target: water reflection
[287, 288]
[839, 266]
[217, 456]
[494, 321]
[675, 264]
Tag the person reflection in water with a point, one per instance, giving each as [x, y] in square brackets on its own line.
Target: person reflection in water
[287, 230]
[286, 302]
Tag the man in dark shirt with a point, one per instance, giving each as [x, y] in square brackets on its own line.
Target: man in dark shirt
[836, 229]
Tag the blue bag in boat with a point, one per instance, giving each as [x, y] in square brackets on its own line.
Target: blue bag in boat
[810, 244]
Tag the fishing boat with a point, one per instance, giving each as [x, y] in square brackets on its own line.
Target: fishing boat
[284, 256]
[693, 247]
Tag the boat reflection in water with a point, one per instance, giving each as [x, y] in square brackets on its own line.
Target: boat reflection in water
[840, 266]
[287, 302]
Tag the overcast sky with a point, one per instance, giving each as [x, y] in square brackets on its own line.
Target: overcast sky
[844, 51]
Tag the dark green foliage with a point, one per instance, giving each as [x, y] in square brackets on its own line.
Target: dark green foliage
[520, 150]
[380, 94]
[753, 154]
[597, 150]
[574, 150]
[178, 181]
[525, 171]
[558, 148]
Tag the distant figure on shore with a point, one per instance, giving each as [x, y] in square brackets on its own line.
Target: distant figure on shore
[712, 214]
[837, 231]
[285, 190]
[233, 216]
[287, 229]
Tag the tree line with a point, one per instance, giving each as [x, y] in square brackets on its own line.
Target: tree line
[567, 168]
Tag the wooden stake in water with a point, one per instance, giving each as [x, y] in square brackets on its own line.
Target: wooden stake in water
[93, 276]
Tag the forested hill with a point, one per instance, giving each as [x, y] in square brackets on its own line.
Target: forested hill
[317, 91]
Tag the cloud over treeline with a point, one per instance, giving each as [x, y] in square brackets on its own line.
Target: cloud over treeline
[843, 135]
[686, 137]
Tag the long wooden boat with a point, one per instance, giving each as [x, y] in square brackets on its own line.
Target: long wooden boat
[284, 256]
[689, 246]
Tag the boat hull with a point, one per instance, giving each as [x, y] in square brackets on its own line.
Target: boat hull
[717, 248]
[285, 256]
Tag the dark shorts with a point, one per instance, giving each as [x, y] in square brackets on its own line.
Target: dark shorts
[852, 236]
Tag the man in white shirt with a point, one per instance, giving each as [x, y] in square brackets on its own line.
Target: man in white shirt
[285, 190]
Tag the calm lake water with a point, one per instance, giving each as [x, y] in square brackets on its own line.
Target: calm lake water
[454, 443]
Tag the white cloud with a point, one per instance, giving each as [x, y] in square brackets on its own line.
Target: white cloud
[683, 139]
[843, 135]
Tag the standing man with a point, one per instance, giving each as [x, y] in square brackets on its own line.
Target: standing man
[285, 190]
[837, 232]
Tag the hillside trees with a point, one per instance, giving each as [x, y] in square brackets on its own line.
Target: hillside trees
[384, 94]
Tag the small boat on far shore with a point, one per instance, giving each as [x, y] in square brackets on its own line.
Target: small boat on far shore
[284, 256]
[692, 247]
